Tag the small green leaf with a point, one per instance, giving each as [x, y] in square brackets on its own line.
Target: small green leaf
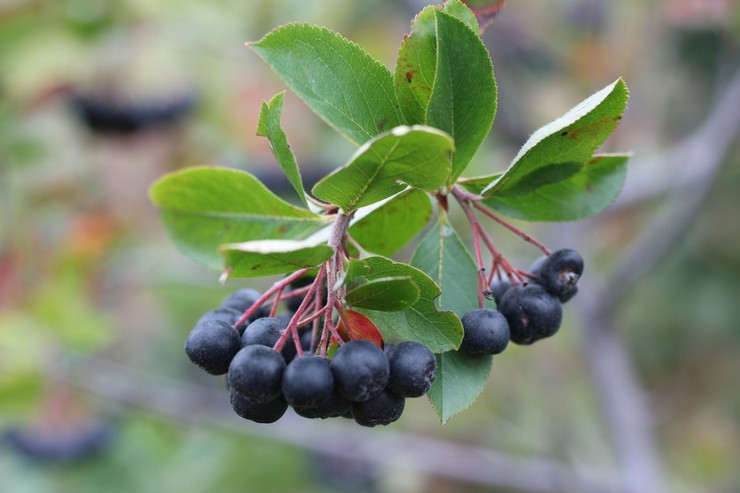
[584, 194]
[439, 330]
[203, 208]
[270, 257]
[387, 294]
[337, 79]
[269, 126]
[442, 255]
[463, 98]
[416, 66]
[417, 156]
[476, 184]
[461, 11]
[554, 152]
[461, 378]
[390, 227]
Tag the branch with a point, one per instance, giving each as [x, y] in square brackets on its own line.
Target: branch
[194, 404]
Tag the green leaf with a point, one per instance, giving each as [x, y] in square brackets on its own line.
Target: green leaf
[461, 378]
[417, 156]
[270, 257]
[269, 126]
[461, 11]
[439, 330]
[387, 294]
[203, 208]
[558, 150]
[337, 79]
[416, 66]
[584, 194]
[476, 184]
[442, 255]
[463, 98]
[390, 227]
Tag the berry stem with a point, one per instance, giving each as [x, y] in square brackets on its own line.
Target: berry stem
[278, 286]
[292, 328]
[513, 229]
[478, 232]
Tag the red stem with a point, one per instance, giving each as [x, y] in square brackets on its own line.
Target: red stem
[513, 229]
[280, 285]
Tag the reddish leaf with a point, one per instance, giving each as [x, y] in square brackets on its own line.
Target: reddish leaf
[359, 327]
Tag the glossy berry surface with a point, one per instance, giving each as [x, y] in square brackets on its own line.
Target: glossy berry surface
[212, 345]
[486, 332]
[257, 373]
[242, 300]
[560, 271]
[259, 412]
[412, 369]
[532, 313]
[383, 409]
[308, 381]
[360, 369]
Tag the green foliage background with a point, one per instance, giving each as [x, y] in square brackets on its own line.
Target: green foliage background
[85, 268]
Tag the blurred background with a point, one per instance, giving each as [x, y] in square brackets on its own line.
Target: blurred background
[638, 392]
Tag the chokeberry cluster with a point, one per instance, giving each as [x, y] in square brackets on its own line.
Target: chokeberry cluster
[265, 375]
[527, 311]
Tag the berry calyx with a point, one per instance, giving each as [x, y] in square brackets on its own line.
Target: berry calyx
[257, 373]
[382, 409]
[212, 345]
[412, 369]
[560, 271]
[360, 369]
[486, 332]
[532, 313]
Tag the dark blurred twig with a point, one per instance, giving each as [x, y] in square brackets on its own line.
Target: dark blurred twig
[465, 463]
[625, 407]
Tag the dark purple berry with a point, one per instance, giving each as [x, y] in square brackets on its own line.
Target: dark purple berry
[259, 412]
[412, 369]
[242, 300]
[308, 381]
[212, 345]
[486, 332]
[337, 405]
[532, 313]
[266, 331]
[383, 409]
[360, 369]
[499, 285]
[227, 315]
[257, 373]
[560, 271]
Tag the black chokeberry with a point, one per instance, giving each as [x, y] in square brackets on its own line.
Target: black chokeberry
[499, 285]
[259, 412]
[560, 271]
[486, 332]
[412, 369]
[360, 369]
[308, 381]
[382, 409]
[227, 315]
[242, 300]
[532, 313]
[212, 345]
[257, 372]
[266, 331]
[337, 405]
